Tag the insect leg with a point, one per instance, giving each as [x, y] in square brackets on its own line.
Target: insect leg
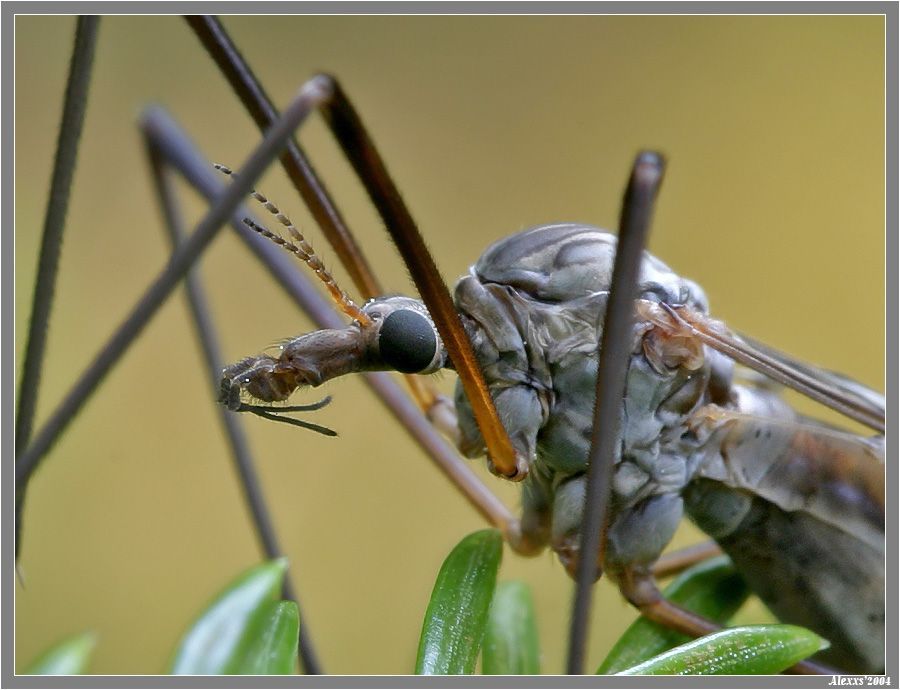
[354, 140]
[51, 240]
[303, 176]
[182, 153]
[639, 587]
[437, 407]
[240, 76]
[179, 263]
[313, 191]
[674, 562]
[634, 222]
[240, 447]
[57, 203]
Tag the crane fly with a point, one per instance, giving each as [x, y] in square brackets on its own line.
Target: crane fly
[799, 505]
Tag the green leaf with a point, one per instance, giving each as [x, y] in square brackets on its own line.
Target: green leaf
[273, 641]
[713, 589]
[218, 641]
[68, 658]
[750, 650]
[457, 612]
[511, 639]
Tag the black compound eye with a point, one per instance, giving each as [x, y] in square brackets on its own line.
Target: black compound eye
[407, 341]
[654, 292]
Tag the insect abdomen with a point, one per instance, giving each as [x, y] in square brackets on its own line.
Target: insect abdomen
[807, 572]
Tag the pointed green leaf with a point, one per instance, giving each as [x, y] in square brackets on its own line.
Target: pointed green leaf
[217, 642]
[68, 658]
[511, 640]
[750, 650]
[272, 641]
[457, 612]
[713, 589]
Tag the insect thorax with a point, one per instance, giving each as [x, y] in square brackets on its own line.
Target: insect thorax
[534, 305]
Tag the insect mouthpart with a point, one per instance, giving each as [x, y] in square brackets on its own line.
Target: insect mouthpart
[398, 335]
[255, 377]
[264, 378]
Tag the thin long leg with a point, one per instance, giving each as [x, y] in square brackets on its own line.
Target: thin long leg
[74, 107]
[676, 561]
[640, 589]
[357, 145]
[615, 346]
[240, 447]
[181, 153]
[303, 176]
[70, 128]
[354, 140]
[179, 263]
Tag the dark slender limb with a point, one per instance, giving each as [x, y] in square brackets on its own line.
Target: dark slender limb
[71, 125]
[74, 106]
[615, 348]
[303, 176]
[242, 458]
[677, 561]
[182, 154]
[179, 263]
[297, 166]
[364, 157]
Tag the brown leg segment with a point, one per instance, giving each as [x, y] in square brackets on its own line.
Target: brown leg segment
[304, 178]
[639, 588]
[354, 140]
[324, 210]
[682, 559]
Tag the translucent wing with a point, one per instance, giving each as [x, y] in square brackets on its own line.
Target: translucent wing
[834, 476]
[840, 393]
[852, 392]
[807, 525]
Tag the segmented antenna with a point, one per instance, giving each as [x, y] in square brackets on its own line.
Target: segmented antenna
[303, 250]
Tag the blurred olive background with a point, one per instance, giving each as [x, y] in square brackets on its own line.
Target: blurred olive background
[773, 201]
